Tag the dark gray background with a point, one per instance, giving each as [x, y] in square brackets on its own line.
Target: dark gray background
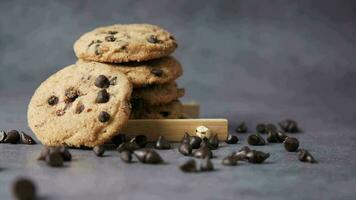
[243, 60]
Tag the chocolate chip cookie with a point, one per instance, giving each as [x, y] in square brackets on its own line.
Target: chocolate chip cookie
[172, 110]
[125, 42]
[158, 71]
[158, 94]
[80, 105]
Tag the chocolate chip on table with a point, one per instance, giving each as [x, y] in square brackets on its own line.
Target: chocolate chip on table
[104, 116]
[140, 140]
[229, 161]
[203, 152]
[186, 138]
[127, 146]
[26, 139]
[214, 142]
[148, 156]
[66, 155]
[157, 72]
[231, 139]
[272, 137]
[289, 126]
[241, 154]
[24, 189]
[153, 39]
[102, 82]
[189, 166]
[102, 97]
[2, 136]
[162, 143]
[99, 150]
[305, 156]
[54, 159]
[71, 94]
[62, 150]
[254, 156]
[12, 137]
[110, 38]
[119, 139]
[52, 100]
[241, 128]
[291, 144]
[195, 142]
[206, 165]
[126, 156]
[185, 149]
[281, 136]
[261, 128]
[255, 139]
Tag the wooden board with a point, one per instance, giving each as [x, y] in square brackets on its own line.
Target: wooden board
[174, 129]
[191, 110]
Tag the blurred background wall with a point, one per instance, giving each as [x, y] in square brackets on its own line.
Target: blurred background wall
[246, 60]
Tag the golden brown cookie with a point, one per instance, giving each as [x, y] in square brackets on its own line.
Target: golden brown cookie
[124, 43]
[158, 71]
[172, 110]
[80, 105]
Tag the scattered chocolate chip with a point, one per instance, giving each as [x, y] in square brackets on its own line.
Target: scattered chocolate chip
[52, 100]
[281, 136]
[153, 39]
[26, 139]
[79, 109]
[127, 146]
[195, 142]
[254, 156]
[255, 139]
[2, 136]
[66, 155]
[162, 143]
[185, 149]
[164, 113]
[272, 137]
[71, 94]
[102, 97]
[229, 161]
[148, 156]
[140, 140]
[12, 137]
[54, 159]
[112, 32]
[119, 139]
[189, 166]
[241, 154]
[99, 150]
[113, 81]
[305, 156]
[186, 138]
[104, 116]
[60, 112]
[203, 152]
[24, 189]
[102, 82]
[206, 165]
[157, 72]
[261, 128]
[126, 156]
[231, 139]
[110, 38]
[289, 126]
[241, 128]
[291, 144]
[214, 142]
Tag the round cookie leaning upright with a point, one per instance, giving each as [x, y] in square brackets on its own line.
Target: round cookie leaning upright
[80, 105]
[124, 43]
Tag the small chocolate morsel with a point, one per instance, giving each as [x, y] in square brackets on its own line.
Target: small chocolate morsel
[289, 126]
[71, 94]
[99, 150]
[186, 138]
[2, 136]
[110, 38]
[26, 139]
[241, 154]
[214, 142]
[231, 139]
[291, 144]
[261, 128]
[254, 156]
[140, 140]
[241, 128]
[102, 97]
[52, 100]
[185, 149]
[112, 32]
[148, 156]
[162, 143]
[272, 137]
[153, 39]
[102, 82]
[255, 139]
[24, 189]
[104, 116]
[12, 137]
[157, 72]
[229, 161]
[189, 166]
[195, 142]
[54, 159]
[203, 152]
[281, 136]
[305, 156]
[66, 155]
[126, 156]
[119, 139]
[206, 165]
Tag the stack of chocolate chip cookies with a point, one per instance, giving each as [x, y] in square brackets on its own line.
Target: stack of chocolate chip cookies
[122, 72]
[141, 52]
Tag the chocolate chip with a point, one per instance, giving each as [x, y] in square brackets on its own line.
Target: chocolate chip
[195, 142]
[148, 156]
[79, 109]
[229, 161]
[241, 128]
[66, 155]
[102, 82]
[255, 139]
[203, 152]
[241, 154]
[126, 156]
[113, 81]
[60, 112]
[99, 150]
[2, 136]
[52, 100]
[119, 139]
[189, 166]
[162, 143]
[291, 144]
[214, 142]
[272, 137]
[112, 32]
[24, 189]
[102, 97]
[70, 95]
[12, 137]
[153, 39]
[26, 139]
[254, 156]
[305, 156]
[186, 138]
[110, 38]
[164, 113]
[206, 165]
[185, 149]
[127, 146]
[54, 159]
[261, 128]
[104, 116]
[140, 140]
[62, 150]
[281, 136]
[231, 139]
[289, 126]
[157, 72]
[43, 154]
